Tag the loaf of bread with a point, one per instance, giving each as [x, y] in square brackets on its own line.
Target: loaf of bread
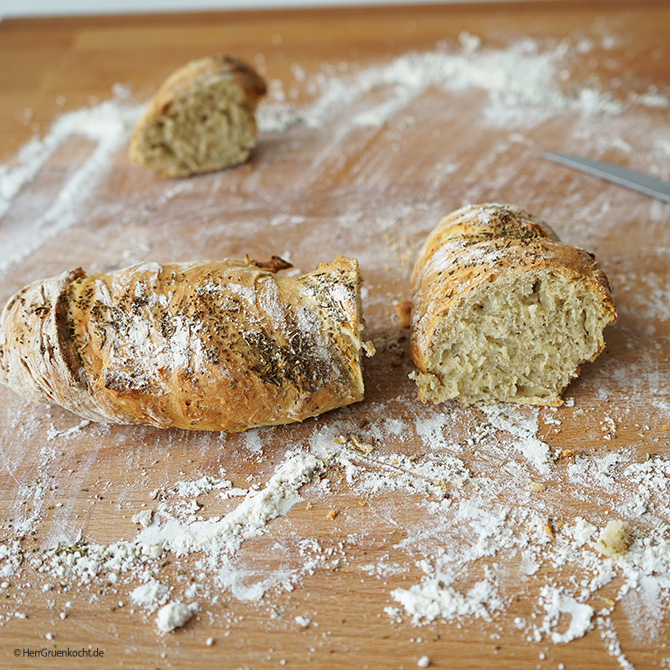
[201, 119]
[503, 311]
[225, 345]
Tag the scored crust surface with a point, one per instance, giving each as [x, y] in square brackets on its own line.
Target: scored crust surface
[201, 119]
[502, 310]
[221, 345]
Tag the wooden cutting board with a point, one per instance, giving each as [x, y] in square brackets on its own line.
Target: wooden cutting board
[378, 123]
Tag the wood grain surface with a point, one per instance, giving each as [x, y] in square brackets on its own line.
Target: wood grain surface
[371, 189]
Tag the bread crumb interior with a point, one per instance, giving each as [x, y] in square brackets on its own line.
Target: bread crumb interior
[209, 127]
[517, 340]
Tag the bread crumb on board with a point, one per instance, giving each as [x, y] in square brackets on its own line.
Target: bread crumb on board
[403, 310]
[615, 538]
[549, 528]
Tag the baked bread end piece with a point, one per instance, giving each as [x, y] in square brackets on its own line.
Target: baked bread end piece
[201, 119]
[503, 311]
[212, 345]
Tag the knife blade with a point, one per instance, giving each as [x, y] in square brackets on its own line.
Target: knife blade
[637, 181]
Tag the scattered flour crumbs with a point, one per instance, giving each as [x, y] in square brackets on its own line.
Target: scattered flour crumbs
[490, 488]
[457, 484]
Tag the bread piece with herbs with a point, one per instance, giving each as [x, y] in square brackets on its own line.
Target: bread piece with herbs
[502, 310]
[225, 345]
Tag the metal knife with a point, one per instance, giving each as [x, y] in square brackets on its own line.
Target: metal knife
[644, 183]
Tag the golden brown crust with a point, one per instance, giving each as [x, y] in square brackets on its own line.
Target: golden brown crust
[202, 346]
[480, 244]
[474, 224]
[219, 66]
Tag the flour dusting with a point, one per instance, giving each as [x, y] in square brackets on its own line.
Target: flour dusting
[449, 516]
[108, 126]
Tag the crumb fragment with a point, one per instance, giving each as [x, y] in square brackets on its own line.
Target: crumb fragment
[569, 453]
[274, 265]
[403, 310]
[423, 662]
[354, 443]
[361, 447]
[332, 514]
[369, 348]
[538, 487]
[549, 529]
[615, 538]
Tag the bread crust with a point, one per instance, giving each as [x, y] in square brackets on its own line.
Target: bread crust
[480, 244]
[221, 345]
[218, 66]
[246, 87]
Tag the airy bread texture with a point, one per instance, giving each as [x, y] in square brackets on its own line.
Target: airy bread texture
[201, 119]
[503, 311]
[223, 345]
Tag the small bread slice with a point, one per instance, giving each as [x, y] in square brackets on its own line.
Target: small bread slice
[503, 311]
[201, 119]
